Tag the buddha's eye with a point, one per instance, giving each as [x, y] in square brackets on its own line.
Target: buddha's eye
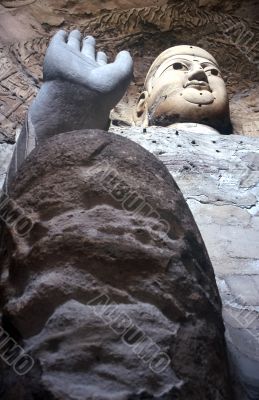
[179, 66]
[214, 72]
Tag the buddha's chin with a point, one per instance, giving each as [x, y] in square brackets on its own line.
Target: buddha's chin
[203, 114]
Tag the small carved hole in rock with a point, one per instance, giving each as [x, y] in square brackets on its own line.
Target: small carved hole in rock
[199, 105]
[141, 97]
[193, 142]
[217, 151]
[200, 94]
[214, 141]
[177, 133]
[115, 122]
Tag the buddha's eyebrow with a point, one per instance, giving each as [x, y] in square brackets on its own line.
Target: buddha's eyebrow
[208, 63]
[180, 58]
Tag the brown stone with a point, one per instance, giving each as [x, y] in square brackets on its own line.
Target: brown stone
[113, 246]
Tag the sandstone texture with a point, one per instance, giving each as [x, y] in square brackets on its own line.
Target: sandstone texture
[228, 30]
[112, 291]
[219, 177]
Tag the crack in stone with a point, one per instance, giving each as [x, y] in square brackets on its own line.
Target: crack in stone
[221, 205]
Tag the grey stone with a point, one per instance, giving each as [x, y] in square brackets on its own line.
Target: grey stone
[219, 178]
[6, 151]
[245, 289]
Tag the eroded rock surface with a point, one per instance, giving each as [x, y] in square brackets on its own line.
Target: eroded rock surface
[219, 177]
[113, 245]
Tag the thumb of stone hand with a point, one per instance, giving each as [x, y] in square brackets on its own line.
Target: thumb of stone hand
[113, 79]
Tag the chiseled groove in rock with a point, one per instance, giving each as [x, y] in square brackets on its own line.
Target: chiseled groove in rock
[132, 19]
[223, 203]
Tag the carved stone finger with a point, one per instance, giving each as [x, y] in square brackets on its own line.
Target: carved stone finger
[60, 36]
[101, 58]
[88, 48]
[74, 39]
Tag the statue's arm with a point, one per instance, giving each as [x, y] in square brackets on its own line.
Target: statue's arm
[79, 89]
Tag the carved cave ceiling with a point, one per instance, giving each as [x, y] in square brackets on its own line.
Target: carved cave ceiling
[227, 29]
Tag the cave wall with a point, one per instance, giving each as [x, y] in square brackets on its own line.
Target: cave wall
[229, 30]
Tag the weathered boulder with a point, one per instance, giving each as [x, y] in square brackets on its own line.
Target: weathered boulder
[111, 291]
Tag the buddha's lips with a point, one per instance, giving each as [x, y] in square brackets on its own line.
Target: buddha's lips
[198, 85]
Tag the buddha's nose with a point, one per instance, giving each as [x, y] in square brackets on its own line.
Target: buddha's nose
[197, 73]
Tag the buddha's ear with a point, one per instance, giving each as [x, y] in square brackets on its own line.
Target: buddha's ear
[140, 114]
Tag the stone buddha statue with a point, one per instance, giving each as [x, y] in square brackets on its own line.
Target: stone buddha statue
[111, 292]
[184, 85]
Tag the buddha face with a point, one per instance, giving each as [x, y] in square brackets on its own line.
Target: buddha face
[184, 84]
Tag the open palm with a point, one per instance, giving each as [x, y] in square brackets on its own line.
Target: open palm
[69, 58]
